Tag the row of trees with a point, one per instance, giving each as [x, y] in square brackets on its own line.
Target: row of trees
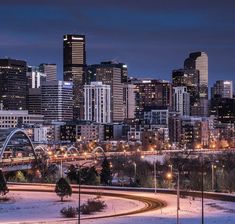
[89, 175]
[219, 172]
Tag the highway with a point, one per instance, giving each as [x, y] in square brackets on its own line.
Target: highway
[92, 156]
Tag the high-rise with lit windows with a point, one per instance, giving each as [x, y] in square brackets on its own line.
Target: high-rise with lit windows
[74, 69]
[50, 70]
[97, 102]
[152, 93]
[199, 61]
[223, 89]
[13, 84]
[181, 100]
[111, 73]
[57, 100]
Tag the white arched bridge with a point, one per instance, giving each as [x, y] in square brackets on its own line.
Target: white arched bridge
[16, 149]
[17, 152]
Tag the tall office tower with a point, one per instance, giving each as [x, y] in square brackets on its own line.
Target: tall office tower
[152, 93]
[124, 72]
[190, 79]
[74, 69]
[90, 74]
[97, 102]
[110, 73]
[191, 132]
[57, 100]
[129, 99]
[199, 61]
[223, 89]
[34, 101]
[223, 109]
[35, 77]
[174, 128]
[181, 100]
[50, 70]
[13, 84]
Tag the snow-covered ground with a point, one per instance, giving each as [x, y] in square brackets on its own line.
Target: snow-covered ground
[215, 212]
[33, 206]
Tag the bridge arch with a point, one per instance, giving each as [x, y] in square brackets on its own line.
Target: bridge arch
[39, 149]
[8, 135]
[69, 150]
[96, 149]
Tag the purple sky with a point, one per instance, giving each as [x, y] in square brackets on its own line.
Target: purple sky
[151, 36]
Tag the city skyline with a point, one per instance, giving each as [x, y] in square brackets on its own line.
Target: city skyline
[164, 33]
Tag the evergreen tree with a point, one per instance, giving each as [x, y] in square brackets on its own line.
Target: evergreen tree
[3, 185]
[89, 176]
[105, 175]
[63, 188]
[72, 174]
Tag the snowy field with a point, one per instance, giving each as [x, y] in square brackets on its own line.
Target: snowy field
[38, 207]
[32, 206]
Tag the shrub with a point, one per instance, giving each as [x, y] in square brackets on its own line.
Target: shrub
[92, 205]
[69, 212]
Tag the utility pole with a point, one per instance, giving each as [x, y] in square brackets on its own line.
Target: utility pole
[79, 194]
[202, 188]
[178, 195]
[155, 176]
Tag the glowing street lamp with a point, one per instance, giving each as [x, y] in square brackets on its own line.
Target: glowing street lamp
[213, 167]
[170, 176]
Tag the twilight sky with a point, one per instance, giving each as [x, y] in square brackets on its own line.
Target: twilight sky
[151, 36]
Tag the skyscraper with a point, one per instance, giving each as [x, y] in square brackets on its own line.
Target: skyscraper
[152, 93]
[188, 78]
[199, 61]
[50, 70]
[223, 89]
[97, 102]
[181, 100]
[129, 99]
[110, 73]
[35, 77]
[57, 100]
[34, 101]
[74, 69]
[13, 84]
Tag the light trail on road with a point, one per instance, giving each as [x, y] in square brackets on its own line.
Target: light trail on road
[150, 204]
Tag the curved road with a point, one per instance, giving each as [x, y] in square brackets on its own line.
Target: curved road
[151, 204]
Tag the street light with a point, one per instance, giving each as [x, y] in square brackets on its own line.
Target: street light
[169, 176]
[134, 164]
[202, 186]
[79, 193]
[62, 154]
[171, 167]
[155, 176]
[79, 168]
[213, 167]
